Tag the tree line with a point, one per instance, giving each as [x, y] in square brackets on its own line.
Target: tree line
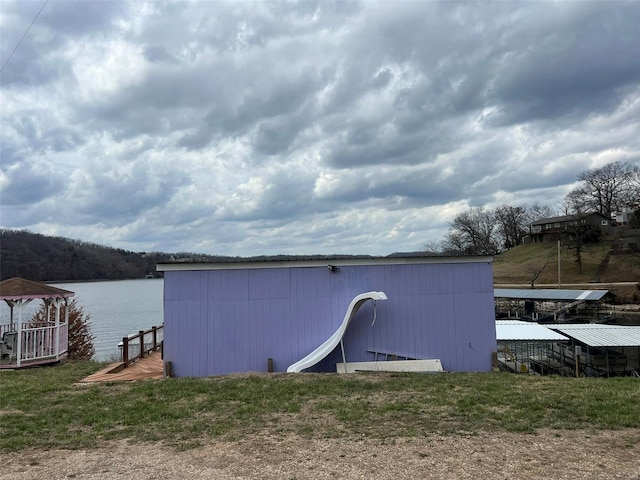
[482, 231]
[46, 258]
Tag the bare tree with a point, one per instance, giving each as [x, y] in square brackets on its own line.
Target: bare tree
[606, 189]
[577, 236]
[512, 224]
[472, 233]
[632, 195]
[538, 211]
[535, 271]
[433, 247]
[576, 202]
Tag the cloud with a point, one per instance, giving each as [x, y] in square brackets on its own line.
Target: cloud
[249, 128]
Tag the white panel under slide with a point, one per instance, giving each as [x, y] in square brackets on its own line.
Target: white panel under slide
[332, 342]
[432, 365]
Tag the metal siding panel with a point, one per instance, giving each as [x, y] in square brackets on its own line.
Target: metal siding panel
[484, 277]
[305, 306]
[234, 285]
[214, 283]
[308, 315]
[272, 332]
[242, 354]
[226, 341]
[418, 307]
[434, 327]
[168, 287]
[392, 281]
[450, 342]
[461, 276]
[405, 334]
[171, 333]
[184, 359]
[432, 280]
[447, 279]
[356, 337]
[256, 334]
[464, 331]
[489, 327]
[213, 333]
[200, 337]
[418, 280]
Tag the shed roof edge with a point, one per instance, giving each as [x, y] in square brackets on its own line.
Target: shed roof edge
[242, 264]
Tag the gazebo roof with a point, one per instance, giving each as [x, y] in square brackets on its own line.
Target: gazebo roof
[18, 288]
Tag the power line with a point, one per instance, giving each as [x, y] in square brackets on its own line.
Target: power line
[24, 35]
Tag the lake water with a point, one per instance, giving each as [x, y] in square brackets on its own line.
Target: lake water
[116, 309]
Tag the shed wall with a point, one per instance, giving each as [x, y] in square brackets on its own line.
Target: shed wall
[225, 321]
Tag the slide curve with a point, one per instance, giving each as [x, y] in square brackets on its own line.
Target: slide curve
[327, 347]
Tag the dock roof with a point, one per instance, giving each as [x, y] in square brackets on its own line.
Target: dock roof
[550, 294]
[517, 330]
[598, 335]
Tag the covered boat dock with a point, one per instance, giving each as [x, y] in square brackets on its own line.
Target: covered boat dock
[548, 305]
[527, 347]
[600, 350]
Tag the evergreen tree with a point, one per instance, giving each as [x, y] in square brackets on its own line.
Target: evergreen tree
[80, 339]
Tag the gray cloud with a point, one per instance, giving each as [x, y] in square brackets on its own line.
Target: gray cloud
[305, 127]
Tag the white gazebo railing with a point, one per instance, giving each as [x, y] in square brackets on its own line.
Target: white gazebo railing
[38, 344]
[31, 343]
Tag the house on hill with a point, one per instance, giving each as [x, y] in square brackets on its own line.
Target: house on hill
[311, 313]
[548, 229]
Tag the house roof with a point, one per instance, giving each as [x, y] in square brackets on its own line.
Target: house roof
[18, 288]
[598, 335]
[566, 218]
[550, 294]
[516, 330]
[299, 261]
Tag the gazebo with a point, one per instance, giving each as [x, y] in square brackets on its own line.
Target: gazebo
[23, 343]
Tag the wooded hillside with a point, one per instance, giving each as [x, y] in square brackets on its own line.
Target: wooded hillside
[44, 258]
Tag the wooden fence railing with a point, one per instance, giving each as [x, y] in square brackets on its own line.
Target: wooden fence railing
[138, 345]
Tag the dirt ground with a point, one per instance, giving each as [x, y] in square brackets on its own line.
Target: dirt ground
[544, 455]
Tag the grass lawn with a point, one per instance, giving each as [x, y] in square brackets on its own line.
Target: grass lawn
[43, 408]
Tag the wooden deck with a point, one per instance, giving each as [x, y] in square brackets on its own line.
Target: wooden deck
[149, 367]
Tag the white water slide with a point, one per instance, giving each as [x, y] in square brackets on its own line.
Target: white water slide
[327, 347]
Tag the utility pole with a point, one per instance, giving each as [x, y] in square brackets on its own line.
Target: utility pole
[559, 270]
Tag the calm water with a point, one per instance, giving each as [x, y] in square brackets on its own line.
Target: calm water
[117, 309]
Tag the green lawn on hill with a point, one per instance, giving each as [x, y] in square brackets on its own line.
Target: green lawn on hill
[603, 262]
[44, 408]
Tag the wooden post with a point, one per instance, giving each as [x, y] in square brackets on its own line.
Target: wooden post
[155, 337]
[141, 334]
[270, 365]
[494, 361]
[125, 351]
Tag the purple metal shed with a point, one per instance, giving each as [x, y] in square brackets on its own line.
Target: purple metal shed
[234, 315]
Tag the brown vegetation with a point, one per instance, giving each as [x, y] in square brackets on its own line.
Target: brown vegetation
[615, 259]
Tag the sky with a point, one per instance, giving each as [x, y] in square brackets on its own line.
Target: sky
[283, 127]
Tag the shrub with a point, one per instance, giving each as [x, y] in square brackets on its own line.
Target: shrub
[80, 338]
